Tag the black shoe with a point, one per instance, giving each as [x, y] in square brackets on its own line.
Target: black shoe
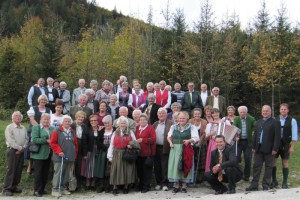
[144, 190]
[246, 178]
[252, 188]
[274, 184]
[231, 191]
[100, 189]
[265, 188]
[16, 190]
[221, 191]
[183, 190]
[175, 190]
[115, 191]
[125, 191]
[37, 194]
[7, 193]
[284, 186]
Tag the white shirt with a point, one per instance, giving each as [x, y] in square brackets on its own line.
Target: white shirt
[216, 102]
[168, 101]
[204, 96]
[160, 133]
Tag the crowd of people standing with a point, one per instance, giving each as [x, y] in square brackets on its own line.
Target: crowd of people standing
[112, 138]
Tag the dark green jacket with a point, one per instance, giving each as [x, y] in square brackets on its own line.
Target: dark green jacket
[250, 123]
[41, 138]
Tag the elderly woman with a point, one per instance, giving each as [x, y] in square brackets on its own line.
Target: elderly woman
[92, 146]
[34, 114]
[113, 107]
[138, 98]
[64, 145]
[180, 137]
[124, 98]
[91, 102]
[122, 172]
[104, 93]
[207, 113]
[41, 134]
[136, 116]
[146, 136]
[200, 151]
[102, 112]
[94, 86]
[210, 134]
[65, 96]
[55, 119]
[231, 114]
[175, 107]
[107, 133]
[80, 130]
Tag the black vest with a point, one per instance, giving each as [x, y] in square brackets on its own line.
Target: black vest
[36, 93]
[287, 130]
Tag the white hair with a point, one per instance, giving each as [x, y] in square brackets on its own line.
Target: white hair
[122, 119]
[161, 109]
[150, 84]
[242, 108]
[63, 84]
[16, 113]
[66, 117]
[89, 91]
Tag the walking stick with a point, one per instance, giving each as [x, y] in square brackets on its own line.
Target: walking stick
[198, 159]
[60, 175]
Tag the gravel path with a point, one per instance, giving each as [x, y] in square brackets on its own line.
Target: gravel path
[193, 193]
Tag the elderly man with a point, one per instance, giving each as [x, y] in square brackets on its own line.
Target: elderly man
[162, 127]
[266, 142]
[151, 108]
[82, 100]
[118, 87]
[178, 92]
[217, 101]
[136, 116]
[204, 93]
[173, 96]
[123, 111]
[78, 91]
[35, 91]
[289, 136]
[16, 141]
[150, 90]
[163, 96]
[223, 168]
[246, 123]
[191, 99]
[52, 94]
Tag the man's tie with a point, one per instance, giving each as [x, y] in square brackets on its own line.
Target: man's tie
[220, 175]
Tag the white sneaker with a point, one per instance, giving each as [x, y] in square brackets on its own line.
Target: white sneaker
[165, 188]
[157, 187]
[65, 192]
[55, 194]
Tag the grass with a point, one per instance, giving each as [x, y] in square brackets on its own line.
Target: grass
[27, 180]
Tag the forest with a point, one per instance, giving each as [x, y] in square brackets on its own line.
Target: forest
[72, 39]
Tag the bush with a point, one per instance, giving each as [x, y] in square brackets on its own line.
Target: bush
[5, 114]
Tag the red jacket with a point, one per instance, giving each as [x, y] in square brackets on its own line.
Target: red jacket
[54, 142]
[148, 136]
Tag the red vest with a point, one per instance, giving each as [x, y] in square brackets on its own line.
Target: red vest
[162, 99]
[121, 142]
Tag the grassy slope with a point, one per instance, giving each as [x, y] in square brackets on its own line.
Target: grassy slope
[27, 181]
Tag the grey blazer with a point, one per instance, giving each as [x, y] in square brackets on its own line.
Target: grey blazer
[66, 100]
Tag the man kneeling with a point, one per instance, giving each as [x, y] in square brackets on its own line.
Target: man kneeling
[223, 168]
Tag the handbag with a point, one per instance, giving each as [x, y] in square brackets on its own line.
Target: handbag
[32, 147]
[130, 155]
[149, 160]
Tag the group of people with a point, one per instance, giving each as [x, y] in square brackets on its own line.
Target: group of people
[174, 133]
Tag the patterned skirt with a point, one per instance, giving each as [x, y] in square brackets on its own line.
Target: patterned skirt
[88, 164]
